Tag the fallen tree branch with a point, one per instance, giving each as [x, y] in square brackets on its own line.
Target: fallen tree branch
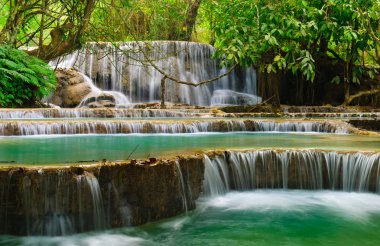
[162, 72]
[348, 100]
[178, 81]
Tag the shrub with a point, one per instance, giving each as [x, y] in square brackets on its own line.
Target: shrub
[24, 79]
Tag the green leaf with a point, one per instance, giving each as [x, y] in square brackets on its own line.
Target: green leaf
[335, 80]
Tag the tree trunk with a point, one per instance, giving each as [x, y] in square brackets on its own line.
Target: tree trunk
[269, 87]
[191, 17]
[163, 89]
[60, 45]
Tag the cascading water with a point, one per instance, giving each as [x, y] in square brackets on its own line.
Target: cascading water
[43, 113]
[96, 94]
[124, 68]
[99, 219]
[115, 127]
[48, 199]
[48, 113]
[52, 201]
[182, 185]
[291, 169]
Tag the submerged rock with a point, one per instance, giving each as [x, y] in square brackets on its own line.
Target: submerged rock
[101, 100]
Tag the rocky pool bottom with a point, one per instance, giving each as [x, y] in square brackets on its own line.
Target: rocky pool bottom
[261, 217]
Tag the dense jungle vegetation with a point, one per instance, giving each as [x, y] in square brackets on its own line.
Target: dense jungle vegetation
[310, 43]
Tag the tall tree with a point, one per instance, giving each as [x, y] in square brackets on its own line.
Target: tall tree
[191, 17]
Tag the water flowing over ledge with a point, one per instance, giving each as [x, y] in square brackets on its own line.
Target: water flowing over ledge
[64, 200]
[48, 113]
[123, 67]
[89, 113]
[289, 169]
[12, 128]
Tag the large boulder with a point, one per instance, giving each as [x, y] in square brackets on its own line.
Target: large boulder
[71, 89]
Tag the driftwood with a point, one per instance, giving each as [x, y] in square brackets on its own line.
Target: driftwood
[349, 99]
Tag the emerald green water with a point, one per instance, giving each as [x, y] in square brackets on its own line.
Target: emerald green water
[79, 148]
[262, 217]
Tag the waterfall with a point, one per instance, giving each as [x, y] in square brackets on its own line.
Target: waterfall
[14, 114]
[45, 113]
[182, 185]
[123, 67]
[119, 126]
[58, 201]
[99, 219]
[217, 179]
[307, 169]
[96, 94]
[48, 209]
[55, 220]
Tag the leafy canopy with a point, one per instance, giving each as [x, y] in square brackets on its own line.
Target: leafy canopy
[294, 35]
[23, 78]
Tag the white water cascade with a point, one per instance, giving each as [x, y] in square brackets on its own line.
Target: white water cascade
[97, 94]
[182, 185]
[120, 126]
[124, 68]
[290, 169]
[57, 204]
[99, 218]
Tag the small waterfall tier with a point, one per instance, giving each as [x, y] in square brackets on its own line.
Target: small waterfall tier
[67, 200]
[49, 113]
[127, 68]
[64, 200]
[291, 169]
[14, 128]
[45, 113]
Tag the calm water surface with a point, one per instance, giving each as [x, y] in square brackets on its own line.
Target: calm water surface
[81, 148]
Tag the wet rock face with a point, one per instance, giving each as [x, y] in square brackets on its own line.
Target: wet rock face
[367, 124]
[71, 88]
[102, 100]
[61, 201]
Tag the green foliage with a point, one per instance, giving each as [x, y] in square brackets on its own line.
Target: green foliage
[23, 78]
[144, 19]
[294, 35]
